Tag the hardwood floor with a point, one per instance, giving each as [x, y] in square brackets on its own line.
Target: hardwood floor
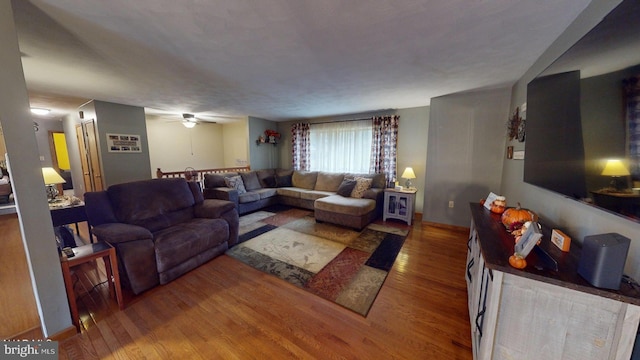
[227, 310]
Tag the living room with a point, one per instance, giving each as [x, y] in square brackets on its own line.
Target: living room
[455, 159]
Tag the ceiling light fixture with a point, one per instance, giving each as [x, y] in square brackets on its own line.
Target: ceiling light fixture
[40, 111]
[189, 124]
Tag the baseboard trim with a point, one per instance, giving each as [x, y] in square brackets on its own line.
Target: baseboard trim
[64, 334]
[446, 226]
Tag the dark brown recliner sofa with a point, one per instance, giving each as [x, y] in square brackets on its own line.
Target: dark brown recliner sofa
[161, 228]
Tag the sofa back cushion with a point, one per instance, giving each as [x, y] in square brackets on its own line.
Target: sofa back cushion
[267, 177]
[217, 180]
[378, 179]
[304, 179]
[153, 204]
[328, 181]
[250, 180]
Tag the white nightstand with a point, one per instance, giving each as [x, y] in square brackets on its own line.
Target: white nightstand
[399, 204]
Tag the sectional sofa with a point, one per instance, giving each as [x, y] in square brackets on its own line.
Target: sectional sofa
[352, 200]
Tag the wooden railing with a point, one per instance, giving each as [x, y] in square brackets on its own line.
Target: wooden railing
[198, 175]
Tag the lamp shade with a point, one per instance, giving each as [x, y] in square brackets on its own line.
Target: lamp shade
[615, 167]
[51, 176]
[408, 173]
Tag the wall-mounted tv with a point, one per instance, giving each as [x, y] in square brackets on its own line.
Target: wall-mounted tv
[583, 118]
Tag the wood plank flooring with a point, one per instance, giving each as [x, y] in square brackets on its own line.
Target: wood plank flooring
[227, 310]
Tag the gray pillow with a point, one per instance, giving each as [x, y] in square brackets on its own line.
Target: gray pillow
[235, 182]
[346, 187]
[250, 180]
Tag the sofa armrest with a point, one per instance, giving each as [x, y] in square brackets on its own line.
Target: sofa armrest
[213, 208]
[221, 209]
[376, 194]
[222, 193]
[114, 233]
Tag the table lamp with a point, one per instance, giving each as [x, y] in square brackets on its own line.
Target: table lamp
[615, 168]
[51, 179]
[408, 174]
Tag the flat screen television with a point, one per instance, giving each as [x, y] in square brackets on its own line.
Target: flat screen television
[583, 118]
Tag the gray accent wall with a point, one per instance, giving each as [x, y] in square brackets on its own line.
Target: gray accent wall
[574, 218]
[114, 118]
[263, 156]
[464, 153]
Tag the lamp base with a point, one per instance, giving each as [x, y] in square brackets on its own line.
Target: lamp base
[408, 184]
[52, 193]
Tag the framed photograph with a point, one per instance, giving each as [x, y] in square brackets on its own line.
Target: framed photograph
[124, 143]
[489, 200]
[529, 239]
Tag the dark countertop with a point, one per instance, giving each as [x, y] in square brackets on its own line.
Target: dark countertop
[496, 245]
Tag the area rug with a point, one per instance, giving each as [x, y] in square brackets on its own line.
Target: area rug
[339, 264]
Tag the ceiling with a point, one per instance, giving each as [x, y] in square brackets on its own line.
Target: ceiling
[278, 59]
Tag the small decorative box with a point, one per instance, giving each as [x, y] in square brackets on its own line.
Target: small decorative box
[561, 240]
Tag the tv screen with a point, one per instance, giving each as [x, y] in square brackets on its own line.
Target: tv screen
[583, 118]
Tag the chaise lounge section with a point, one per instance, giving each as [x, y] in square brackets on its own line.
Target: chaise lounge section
[330, 195]
[161, 228]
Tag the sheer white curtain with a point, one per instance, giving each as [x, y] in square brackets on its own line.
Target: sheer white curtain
[341, 146]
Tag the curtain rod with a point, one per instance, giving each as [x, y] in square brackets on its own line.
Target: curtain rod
[327, 122]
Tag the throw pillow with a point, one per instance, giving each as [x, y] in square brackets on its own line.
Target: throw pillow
[362, 185]
[270, 181]
[284, 181]
[235, 182]
[346, 187]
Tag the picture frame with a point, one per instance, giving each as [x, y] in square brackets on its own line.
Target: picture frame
[529, 239]
[123, 143]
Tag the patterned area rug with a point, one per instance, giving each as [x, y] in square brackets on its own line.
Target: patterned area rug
[339, 264]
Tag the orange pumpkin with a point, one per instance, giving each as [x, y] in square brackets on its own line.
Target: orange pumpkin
[514, 218]
[498, 205]
[517, 261]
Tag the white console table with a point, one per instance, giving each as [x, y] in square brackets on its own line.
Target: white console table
[539, 312]
[399, 204]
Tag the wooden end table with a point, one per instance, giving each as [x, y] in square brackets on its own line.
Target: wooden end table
[84, 254]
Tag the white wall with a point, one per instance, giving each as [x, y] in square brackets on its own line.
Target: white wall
[576, 219]
[173, 147]
[235, 137]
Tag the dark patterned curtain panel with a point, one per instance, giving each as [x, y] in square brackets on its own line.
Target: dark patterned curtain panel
[300, 146]
[632, 109]
[384, 147]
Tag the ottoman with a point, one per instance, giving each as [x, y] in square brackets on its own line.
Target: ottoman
[352, 212]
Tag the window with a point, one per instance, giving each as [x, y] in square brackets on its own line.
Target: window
[341, 146]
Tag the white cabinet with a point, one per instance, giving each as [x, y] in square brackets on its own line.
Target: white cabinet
[399, 204]
[518, 316]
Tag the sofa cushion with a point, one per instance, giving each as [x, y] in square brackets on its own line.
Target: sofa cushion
[378, 179]
[290, 192]
[250, 180]
[269, 182]
[328, 181]
[283, 181]
[267, 178]
[235, 182]
[150, 203]
[362, 185]
[314, 194]
[304, 179]
[216, 180]
[346, 187]
[343, 205]
[266, 193]
[248, 197]
[178, 243]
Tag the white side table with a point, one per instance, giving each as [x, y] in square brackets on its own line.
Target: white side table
[399, 204]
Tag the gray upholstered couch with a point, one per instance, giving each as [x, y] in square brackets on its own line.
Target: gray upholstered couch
[323, 192]
[161, 228]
